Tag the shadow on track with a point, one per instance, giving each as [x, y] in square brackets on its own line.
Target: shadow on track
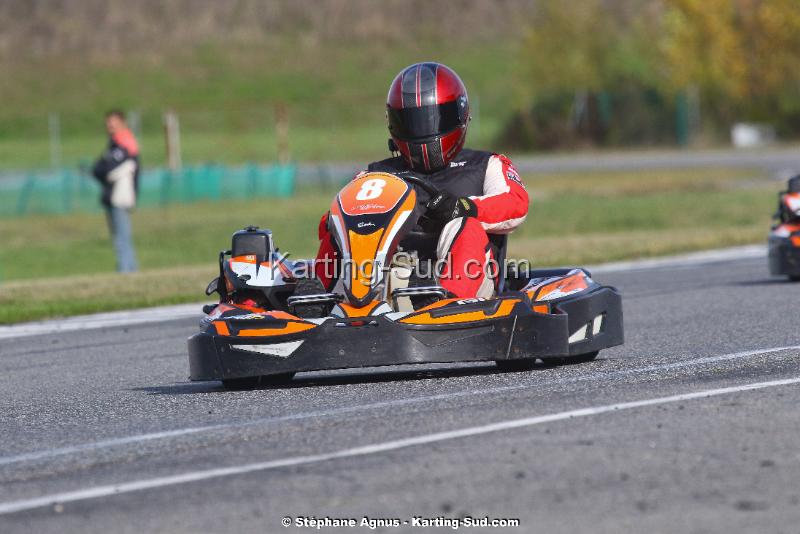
[368, 375]
[764, 282]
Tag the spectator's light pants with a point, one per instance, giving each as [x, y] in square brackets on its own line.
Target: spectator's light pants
[119, 225]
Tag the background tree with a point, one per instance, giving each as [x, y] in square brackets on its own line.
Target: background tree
[589, 75]
[744, 55]
[635, 61]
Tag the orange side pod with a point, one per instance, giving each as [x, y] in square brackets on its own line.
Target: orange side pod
[503, 310]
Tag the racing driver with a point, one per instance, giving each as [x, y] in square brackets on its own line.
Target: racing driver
[481, 195]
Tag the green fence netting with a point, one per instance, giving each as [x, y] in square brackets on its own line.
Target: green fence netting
[69, 190]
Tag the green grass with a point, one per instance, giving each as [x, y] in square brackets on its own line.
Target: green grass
[74, 295]
[61, 265]
[225, 96]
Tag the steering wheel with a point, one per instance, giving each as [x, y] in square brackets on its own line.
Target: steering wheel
[423, 184]
[426, 234]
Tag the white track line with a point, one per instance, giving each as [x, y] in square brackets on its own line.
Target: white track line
[154, 436]
[691, 259]
[195, 476]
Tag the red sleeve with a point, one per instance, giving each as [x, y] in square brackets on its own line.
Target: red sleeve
[504, 203]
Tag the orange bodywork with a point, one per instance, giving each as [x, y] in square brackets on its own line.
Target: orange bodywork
[222, 328]
[381, 198]
[352, 311]
[399, 217]
[293, 325]
[277, 314]
[389, 194]
[438, 304]
[503, 310]
[362, 251]
[290, 328]
[572, 283]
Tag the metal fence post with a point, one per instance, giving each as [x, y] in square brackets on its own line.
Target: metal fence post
[682, 118]
[252, 179]
[25, 194]
[54, 128]
[168, 187]
[66, 191]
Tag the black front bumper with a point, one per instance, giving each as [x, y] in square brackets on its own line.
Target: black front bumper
[347, 344]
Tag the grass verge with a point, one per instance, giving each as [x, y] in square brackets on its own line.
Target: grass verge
[225, 97]
[75, 295]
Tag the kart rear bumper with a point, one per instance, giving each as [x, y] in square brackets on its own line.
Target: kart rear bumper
[379, 341]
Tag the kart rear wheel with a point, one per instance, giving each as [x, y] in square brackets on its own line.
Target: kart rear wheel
[252, 382]
[523, 364]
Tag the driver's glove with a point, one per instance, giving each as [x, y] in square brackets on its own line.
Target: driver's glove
[445, 207]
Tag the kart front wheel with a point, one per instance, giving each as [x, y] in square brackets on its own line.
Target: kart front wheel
[252, 382]
[568, 360]
[523, 364]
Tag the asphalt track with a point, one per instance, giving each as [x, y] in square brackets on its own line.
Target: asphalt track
[692, 426]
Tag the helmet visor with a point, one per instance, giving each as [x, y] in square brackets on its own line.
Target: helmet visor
[410, 124]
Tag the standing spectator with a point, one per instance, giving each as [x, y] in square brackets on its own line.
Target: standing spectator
[117, 170]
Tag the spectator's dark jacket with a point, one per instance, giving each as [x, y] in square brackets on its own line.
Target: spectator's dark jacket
[117, 170]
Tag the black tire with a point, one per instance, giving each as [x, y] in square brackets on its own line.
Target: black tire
[794, 278]
[524, 364]
[569, 360]
[252, 382]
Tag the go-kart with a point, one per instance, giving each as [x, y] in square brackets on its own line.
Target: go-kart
[378, 314]
[784, 239]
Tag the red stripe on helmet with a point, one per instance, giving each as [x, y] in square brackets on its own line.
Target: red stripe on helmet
[395, 99]
[404, 150]
[436, 84]
[448, 85]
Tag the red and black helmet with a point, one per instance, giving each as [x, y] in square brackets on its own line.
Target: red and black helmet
[428, 111]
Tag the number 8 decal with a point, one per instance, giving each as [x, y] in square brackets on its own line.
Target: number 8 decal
[371, 189]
